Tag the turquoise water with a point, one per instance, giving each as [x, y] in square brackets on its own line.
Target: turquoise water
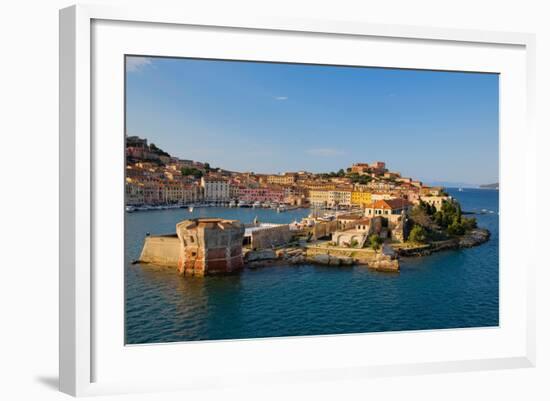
[452, 289]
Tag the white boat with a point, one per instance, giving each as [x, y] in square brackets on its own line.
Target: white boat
[130, 209]
[232, 204]
[460, 190]
[191, 208]
[256, 204]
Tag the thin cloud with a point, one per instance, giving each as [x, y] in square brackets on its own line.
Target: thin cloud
[324, 152]
[281, 97]
[136, 63]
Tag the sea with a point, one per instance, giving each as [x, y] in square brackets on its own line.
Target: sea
[447, 290]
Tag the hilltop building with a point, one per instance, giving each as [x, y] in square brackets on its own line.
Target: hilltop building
[376, 168]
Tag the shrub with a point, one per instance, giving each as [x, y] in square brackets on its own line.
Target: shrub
[421, 217]
[375, 241]
[418, 234]
[449, 213]
[469, 223]
[456, 228]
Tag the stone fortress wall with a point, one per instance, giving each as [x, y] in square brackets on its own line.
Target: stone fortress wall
[163, 250]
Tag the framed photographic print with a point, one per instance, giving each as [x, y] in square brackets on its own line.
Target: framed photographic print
[289, 200]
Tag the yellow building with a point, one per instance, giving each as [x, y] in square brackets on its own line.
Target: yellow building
[319, 197]
[283, 179]
[330, 198]
[361, 198]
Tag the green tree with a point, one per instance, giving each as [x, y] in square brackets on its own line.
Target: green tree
[375, 241]
[418, 234]
[469, 223]
[456, 227]
[155, 149]
[187, 171]
[419, 214]
[360, 179]
[450, 211]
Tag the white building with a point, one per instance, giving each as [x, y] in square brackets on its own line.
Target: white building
[215, 189]
[436, 201]
[339, 197]
[330, 197]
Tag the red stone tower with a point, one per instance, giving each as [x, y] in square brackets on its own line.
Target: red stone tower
[210, 246]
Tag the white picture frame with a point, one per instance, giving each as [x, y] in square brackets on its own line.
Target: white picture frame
[86, 351]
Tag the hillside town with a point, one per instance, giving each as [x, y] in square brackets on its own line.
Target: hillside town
[154, 178]
[364, 214]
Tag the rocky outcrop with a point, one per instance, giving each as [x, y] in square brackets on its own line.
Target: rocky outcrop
[330, 260]
[473, 238]
[264, 254]
[388, 265]
[386, 260]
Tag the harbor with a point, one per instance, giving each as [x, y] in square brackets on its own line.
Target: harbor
[428, 292]
[191, 206]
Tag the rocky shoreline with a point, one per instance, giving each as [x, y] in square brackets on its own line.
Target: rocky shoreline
[386, 259]
[302, 255]
[473, 238]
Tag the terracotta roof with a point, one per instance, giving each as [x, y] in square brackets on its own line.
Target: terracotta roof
[348, 217]
[396, 203]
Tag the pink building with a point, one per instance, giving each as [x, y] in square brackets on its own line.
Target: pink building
[260, 194]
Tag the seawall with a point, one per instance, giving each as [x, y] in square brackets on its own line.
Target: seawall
[163, 250]
[327, 256]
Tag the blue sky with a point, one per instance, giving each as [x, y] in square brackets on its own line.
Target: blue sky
[265, 117]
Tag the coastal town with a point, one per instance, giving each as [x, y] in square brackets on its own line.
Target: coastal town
[156, 179]
[363, 214]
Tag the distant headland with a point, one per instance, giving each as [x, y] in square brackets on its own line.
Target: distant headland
[490, 186]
